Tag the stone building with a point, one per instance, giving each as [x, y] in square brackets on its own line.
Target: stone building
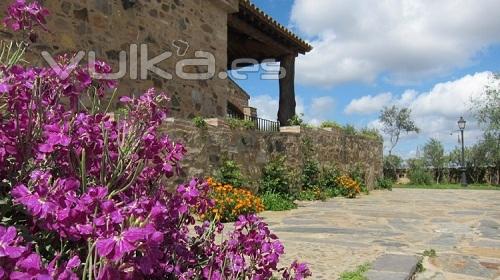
[227, 29]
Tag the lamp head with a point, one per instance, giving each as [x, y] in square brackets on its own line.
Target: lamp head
[461, 123]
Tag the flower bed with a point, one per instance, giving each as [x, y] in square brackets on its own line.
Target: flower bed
[349, 187]
[231, 202]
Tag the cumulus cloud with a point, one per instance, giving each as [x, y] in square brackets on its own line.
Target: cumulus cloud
[314, 112]
[321, 106]
[405, 39]
[368, 104]
[267, 106]
[436, 112]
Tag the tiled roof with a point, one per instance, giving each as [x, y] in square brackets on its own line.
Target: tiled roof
[248, 5]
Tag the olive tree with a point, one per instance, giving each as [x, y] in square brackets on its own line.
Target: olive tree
[396, 121]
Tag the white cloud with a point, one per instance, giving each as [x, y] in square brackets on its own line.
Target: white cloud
[314, 113]
[267, 106]
[436, 112]
[322, 106]
[407, 40]
[368, 104]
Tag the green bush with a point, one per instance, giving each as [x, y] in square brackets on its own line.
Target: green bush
[358, 175]
[200, 122]
[419, 175]
[371, 133]
[277, 202]
[312, 195]
[328, 181]
[296, 120]
[237, 123]
[384, 184]
[330, 124]
[332, 192]
[275, 177]
[349, 130]
[310, 174]
[230, 173]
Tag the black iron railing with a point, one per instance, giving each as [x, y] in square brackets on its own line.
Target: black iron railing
[263, 124]
[259, 124]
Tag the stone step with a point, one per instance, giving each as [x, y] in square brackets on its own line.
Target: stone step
[393, 267]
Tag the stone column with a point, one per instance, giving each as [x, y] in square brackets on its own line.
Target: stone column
[287, 90]
[250, 111]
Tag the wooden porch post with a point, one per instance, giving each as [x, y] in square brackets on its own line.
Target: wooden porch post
[287, 90]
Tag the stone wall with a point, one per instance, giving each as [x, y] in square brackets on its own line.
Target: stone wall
[106, 27]
[237, 96]
[207, 148]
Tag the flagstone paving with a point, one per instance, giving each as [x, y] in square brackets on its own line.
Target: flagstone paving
[463, 226]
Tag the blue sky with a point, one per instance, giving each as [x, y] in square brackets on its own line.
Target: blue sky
[431, 57]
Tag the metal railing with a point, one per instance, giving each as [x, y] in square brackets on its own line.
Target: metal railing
[263, 124]
[259, 123]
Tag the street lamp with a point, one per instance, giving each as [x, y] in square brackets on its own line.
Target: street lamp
[461, 126]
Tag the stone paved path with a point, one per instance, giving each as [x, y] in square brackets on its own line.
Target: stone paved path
[462, 226]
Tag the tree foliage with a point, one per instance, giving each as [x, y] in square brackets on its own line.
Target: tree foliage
[487, 111]
[396, 121]
[418, 173]
[391, 164]
[487, 108]
[478, 158]
[434, 157]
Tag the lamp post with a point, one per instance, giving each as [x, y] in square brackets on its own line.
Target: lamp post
[461, 126]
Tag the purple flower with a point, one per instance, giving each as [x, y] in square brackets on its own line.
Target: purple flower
[65, 270]
[238, 263]
[118, 195]
[24, 16]
[297, 271]
[30, 268]
[4, 87]
[8, 247]
[56, 136]
[35, 204]
[110, 214]
[116, 247]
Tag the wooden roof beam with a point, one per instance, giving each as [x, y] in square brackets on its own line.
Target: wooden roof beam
[246, 28]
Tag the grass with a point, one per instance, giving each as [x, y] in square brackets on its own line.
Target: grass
[449, 187]
[358, 274]
[431, 253]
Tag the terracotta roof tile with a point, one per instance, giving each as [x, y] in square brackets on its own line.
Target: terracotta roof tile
[275, 24]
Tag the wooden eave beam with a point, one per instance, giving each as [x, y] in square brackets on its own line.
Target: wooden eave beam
[250, 30]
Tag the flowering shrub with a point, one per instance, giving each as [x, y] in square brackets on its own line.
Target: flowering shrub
[25, 17]
[231, 202]
[89, 191]
[349, 187]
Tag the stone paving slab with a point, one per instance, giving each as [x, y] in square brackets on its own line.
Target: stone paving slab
[385, 275]
[396, 263]
[463, 226]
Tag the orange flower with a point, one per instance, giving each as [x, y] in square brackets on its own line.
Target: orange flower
[230, 202]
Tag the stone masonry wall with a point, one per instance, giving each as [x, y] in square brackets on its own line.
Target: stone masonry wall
[106, 27]
[207, 148]
[237, 96]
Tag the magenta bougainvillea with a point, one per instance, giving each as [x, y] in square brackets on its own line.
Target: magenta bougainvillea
[86, 193]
